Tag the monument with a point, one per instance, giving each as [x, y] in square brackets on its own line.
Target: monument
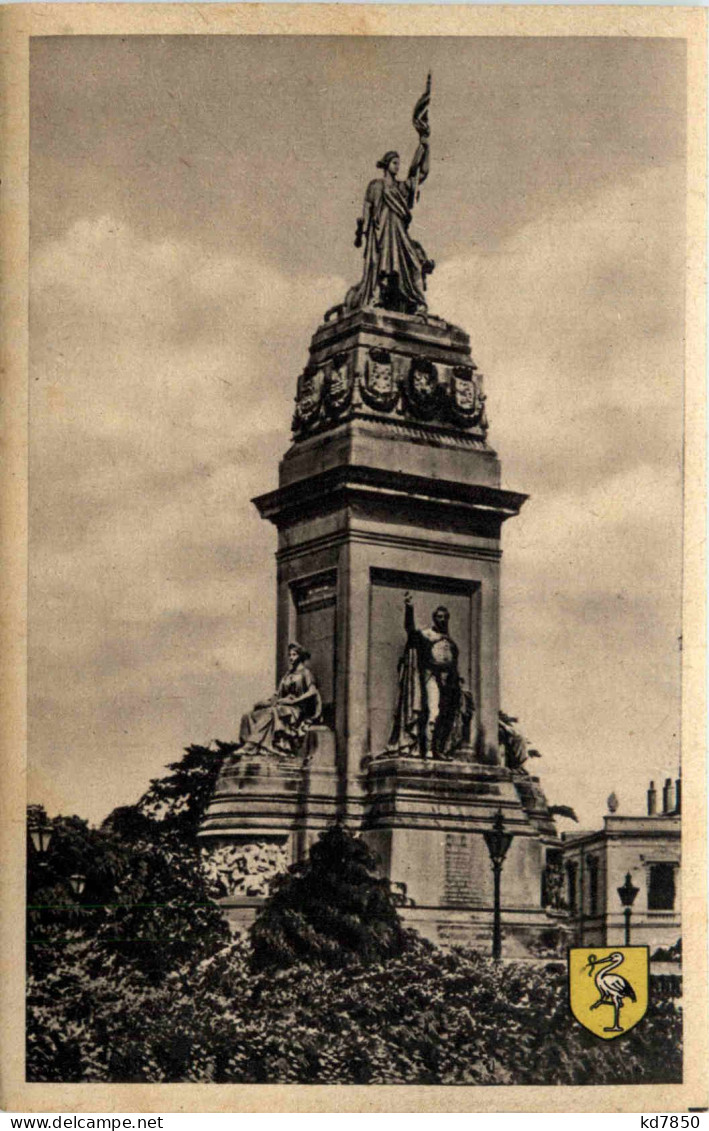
[389, 513]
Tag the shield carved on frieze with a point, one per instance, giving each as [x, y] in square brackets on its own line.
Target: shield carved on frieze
[465, 395]
[467, 401]
[310, 395]
[422, 388]
[338, 385]
[380, 389]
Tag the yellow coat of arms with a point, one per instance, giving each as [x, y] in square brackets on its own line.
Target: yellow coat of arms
[609, 988]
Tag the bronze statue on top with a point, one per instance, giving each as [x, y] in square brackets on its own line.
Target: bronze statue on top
[433, 710]
[395, 265]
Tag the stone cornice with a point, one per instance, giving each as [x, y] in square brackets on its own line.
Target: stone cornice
[432, 333]
[600, 837]
[392, 428]
[328, 490]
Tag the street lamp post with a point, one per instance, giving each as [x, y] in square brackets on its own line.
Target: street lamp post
[498, 842]
[40, 835]
[627, 895]
[77, 883]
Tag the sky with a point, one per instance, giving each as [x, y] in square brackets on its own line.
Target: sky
[193, 203]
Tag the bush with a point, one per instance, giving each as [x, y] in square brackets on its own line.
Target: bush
[425, 1017]
[142, 984]
[331, 909]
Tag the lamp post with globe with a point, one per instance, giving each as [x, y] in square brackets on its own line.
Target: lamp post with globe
[41, 833]
[498, 843]
[627, 895]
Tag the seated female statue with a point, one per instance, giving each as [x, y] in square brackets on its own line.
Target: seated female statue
[279, 725]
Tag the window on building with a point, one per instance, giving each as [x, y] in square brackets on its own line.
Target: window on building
[571, 869]
[592, 864]
[661, 887]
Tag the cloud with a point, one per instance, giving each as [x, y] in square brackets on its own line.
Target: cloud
[161, 392]
[577, 322]
[162, 383]
[577, 319]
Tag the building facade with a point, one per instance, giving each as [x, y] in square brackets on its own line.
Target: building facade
[645, 848]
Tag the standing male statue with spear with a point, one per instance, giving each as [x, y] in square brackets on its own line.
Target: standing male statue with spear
[395, 265]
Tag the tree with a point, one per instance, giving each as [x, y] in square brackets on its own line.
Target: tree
[332, 909]
[147, 902]
[54, 911]
[179, 799]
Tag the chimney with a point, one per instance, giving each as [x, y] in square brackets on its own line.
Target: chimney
[651, 800]
[667, 796]
[678, 795]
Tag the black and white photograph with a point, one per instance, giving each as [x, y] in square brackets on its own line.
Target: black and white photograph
[357, 440]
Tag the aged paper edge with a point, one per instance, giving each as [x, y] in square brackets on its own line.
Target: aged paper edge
[17, 24]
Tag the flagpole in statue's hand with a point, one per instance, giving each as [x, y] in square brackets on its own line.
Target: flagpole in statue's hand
[423, 129]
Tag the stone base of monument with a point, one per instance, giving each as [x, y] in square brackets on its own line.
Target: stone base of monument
[425, 820]
[522, 929]
[263, 816]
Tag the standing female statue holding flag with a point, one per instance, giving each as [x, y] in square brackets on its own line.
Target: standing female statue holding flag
[395, 265]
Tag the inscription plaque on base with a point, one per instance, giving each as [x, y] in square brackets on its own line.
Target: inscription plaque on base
[458, 888]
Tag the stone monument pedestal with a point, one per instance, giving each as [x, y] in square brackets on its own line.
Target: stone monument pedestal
[390, 497]
[263, 816]
[425, 820]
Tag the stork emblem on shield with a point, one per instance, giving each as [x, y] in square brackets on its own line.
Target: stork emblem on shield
[609, 988]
